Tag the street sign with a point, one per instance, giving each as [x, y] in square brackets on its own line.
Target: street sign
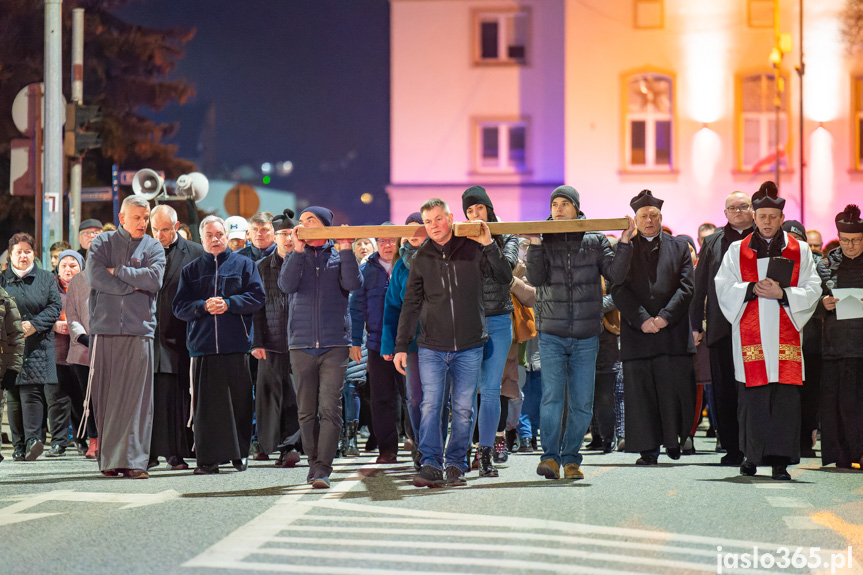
[101, 194]
[20, 179]
[21, 104]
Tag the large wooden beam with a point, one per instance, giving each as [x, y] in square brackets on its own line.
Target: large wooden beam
[465, 229]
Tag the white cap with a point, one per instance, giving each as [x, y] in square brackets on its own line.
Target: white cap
[237, 227]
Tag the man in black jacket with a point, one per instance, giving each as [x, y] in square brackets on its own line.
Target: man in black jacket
[566, 270]
[275, 399]
[656, 343]
[444, 292]
[738, 211]
[172, 438]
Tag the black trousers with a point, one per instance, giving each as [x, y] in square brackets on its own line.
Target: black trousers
[603, 403]
[387, 387]
[319, 380]
[278, 425]
[25, 407]
[82, 375]
[725, 395]
[60, 405]
[223, 407]
[810, 399]
[171, 404]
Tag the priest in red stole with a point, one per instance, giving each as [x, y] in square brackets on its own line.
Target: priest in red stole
[767, 312]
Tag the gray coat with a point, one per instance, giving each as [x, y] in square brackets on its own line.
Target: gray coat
[124, 302]
[78, 319]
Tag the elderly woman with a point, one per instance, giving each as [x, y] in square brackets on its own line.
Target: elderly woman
[35, 293]
[78, 320]
[11, 346]
[64, 399]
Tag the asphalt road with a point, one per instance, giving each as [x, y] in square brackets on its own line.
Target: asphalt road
[62, 516]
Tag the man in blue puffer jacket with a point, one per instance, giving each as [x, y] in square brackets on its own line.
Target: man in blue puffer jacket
[319, 279]
[218, 294]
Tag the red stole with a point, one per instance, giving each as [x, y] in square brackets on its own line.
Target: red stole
[790, 354]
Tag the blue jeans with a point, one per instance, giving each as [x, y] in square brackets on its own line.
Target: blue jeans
[530, 409]
[435, 366]
[499, 329]
[568, 368]
[414, 392]
[351, 399]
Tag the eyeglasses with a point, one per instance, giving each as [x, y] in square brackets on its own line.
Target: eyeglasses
[284, 234]
[850, 242]
[92, 234]
[740, 208]
[383, 242]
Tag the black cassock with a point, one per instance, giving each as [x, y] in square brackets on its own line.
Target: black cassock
[658, 369]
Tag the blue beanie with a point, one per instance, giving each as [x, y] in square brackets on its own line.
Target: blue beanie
[415, 217]
[323, 214]
[74, 254]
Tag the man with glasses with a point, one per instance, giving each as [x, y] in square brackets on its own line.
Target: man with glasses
[767, 289]
[275, 399]
[841, 400]
[738, 212]
[88, 230]
[386, 384]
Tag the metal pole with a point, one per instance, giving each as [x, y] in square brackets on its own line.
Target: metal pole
[778, 80]
[800, 71]
[34, 122]
[52, 214]
[115, 193]
[78, 97]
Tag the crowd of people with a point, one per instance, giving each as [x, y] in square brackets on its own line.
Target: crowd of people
[147, 344]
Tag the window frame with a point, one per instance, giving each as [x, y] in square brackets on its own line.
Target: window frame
[857, 117]
[479, 15]
[755, 25]
[503, 165]
[764, 118]
[651, 118]
[635, 23]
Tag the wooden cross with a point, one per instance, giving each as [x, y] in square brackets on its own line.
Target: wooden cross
[465, 229]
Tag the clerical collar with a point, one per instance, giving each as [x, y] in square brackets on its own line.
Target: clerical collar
[651, 238]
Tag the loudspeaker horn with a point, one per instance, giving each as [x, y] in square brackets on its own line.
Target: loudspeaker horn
[147, 184]
[192, 185]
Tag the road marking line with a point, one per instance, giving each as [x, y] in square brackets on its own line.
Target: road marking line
[541, 537]
[801, 522]
[794, 502]
[482, 548]
[773, 486]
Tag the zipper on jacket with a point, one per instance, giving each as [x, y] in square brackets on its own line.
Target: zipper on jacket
[451, 302]
[317, 303]
[216, 294]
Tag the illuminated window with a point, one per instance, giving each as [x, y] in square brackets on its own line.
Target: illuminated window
[649, 13]
[757, 123]
[501, 37]
[759, 13]
[649, 115]
[858, 123]
[501, 146]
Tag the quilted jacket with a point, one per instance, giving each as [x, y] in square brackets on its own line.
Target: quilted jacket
[271, 321]
[11, 335]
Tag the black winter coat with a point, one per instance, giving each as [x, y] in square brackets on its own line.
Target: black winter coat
[170, 352]
[709, 262]
[39, 303]
[11, 335]
[842, 339]
[566, 269]
[271, 321]
[444, 293]
[659, 284]
[495, 295]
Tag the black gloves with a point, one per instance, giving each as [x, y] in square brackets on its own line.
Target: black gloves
[9, 379]
[84, 339]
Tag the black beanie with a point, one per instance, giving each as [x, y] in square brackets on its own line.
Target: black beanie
[569, 193]
[475, 195]
[794, 227]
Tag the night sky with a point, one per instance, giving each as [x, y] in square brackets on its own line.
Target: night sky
[299, 80]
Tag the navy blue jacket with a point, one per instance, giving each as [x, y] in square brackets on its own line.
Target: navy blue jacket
[319, 281]
[232, 277]
[367, 304]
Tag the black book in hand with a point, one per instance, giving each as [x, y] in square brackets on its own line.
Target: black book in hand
[779, 270]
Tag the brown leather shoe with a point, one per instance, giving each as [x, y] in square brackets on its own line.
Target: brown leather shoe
[572, 471]
[110, 472]
[548, 468]
[136, 474]
[387, 458]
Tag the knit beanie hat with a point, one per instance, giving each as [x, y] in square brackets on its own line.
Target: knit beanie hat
[475, 195]
[71, 253]
[415, 217]
[323, 214]
[569, 193]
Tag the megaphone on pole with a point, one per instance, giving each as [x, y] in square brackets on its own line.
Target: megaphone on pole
[192, 185]
[147, 184]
